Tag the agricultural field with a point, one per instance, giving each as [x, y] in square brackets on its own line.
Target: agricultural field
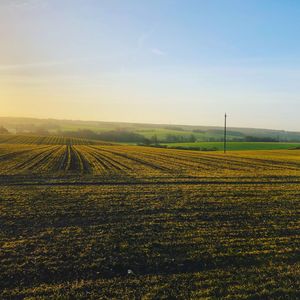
[161, 131]
[99, 221]
[235, 146]
[45, 140]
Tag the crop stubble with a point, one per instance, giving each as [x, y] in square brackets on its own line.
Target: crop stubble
[75, 218]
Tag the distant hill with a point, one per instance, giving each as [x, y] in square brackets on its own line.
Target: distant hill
[136, 132]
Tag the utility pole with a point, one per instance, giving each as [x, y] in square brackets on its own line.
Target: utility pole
[225, 133]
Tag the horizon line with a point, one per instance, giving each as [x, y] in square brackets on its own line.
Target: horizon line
[147, 123]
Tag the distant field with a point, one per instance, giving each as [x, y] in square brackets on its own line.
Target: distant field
[131, 162]
[162, 134]
[60, 140]
[131, 222]
[234, 146]
[46, 140]
[162, 131]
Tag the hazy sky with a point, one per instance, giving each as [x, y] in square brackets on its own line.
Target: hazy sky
[160, 61]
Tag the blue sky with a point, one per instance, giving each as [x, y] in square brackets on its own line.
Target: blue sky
[178, 62]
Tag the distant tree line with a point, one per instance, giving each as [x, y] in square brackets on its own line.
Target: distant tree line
[260, 139]
[176, 128]
[199, 131]
[172, 138]
[110, 136]
[36, 128]
[127, 137]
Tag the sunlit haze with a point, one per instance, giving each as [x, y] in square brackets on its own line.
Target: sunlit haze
[163, 61]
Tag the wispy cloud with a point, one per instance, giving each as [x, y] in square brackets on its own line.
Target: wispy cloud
[158, 52]
[23, 3]
[64, 61]
[36, 64]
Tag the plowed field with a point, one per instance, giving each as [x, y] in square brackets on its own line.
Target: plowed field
[98, 221]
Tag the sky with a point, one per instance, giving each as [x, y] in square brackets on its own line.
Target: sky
[158, 61]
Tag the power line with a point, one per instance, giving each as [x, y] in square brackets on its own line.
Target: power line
[225, 133]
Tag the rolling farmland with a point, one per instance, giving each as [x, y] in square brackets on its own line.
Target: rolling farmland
[91, 220]
[237, 146]
[46, 140]
[136, 162]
